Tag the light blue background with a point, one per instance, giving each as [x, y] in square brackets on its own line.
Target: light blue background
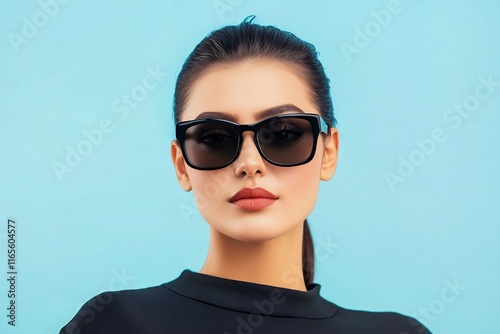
[120, 210]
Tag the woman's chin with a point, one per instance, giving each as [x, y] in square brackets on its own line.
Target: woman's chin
[255, 231]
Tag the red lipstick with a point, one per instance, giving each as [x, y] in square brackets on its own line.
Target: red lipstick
[253, 199]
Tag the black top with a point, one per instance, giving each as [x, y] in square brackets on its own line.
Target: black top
[199, 303]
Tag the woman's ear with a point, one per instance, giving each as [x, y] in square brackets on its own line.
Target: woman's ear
[330, 155]
[180, 166]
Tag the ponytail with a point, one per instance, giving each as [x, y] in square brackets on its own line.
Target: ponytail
[307, 255]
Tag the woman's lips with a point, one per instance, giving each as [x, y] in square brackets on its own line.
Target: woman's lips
[253, 199]
[253, 204]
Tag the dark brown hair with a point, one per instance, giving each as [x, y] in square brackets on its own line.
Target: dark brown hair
[248, 40]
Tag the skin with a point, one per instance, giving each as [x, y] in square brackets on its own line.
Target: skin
[263, 246]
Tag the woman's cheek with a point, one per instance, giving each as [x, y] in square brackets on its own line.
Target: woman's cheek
[298, 189]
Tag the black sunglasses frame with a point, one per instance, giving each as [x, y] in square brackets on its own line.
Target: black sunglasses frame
[317, 122]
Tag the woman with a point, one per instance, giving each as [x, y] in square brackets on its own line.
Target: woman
[255, 135]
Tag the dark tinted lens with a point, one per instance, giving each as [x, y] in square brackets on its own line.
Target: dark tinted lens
[210, 145]
[286, 140]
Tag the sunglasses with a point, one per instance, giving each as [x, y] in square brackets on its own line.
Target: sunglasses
[285, 140]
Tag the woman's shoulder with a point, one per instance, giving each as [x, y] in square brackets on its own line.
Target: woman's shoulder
[110, 309]
[360, 321]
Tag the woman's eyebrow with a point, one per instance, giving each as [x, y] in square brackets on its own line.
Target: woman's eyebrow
[218, 115]
[276, 110]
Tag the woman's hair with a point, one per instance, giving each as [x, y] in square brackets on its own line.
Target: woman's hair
[232, 44]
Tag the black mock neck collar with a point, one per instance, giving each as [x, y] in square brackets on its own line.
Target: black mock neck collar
[242, 296]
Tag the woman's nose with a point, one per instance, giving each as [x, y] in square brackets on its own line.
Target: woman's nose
[249, 161]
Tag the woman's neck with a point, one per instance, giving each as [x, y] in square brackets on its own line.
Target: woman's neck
[276, 262]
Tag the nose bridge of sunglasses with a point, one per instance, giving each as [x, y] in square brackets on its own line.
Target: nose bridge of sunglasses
[249, 149]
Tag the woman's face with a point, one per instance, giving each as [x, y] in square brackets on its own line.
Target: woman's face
[240, 91]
